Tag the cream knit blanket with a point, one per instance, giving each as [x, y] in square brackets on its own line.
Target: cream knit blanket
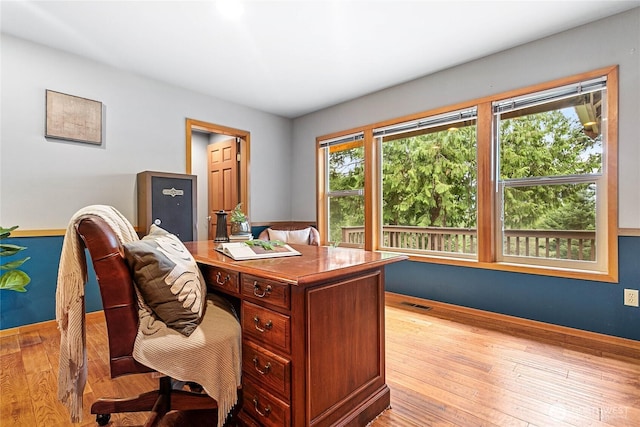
[210, 356]
[72, 276]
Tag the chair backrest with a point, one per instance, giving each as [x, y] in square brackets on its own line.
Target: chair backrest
[119, 299]
[314, 235]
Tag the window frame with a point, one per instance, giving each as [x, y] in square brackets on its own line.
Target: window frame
[409, 129]
[342, 143]
[542, 98]
[487, 221]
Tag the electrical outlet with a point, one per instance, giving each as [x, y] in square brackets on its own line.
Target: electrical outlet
[631, 297]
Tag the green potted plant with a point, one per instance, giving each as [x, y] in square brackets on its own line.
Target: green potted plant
[12, 278]
[239, 221]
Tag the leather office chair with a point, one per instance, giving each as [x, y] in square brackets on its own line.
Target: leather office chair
[121, 313]
[314, 235]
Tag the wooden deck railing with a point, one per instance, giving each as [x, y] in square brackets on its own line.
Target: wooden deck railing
[560, 244]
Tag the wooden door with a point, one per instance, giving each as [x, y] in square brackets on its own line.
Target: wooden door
[223, 180]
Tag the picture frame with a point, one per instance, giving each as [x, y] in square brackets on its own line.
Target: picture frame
[73, 118]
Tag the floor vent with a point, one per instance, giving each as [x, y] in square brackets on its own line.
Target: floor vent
[420, 306]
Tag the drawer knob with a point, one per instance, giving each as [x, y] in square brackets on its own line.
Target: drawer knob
[265, 412]
[266, 368]
[227, 279]
[257, 292]
[267, 326]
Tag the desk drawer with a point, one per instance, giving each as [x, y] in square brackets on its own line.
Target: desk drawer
[269, 369]
[267, 291]
[266, 326]
[220, 278]
[265, 408]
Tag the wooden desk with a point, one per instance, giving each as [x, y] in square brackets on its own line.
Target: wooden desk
[312, 333]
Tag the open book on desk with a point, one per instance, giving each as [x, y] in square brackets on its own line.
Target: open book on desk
[255, 250]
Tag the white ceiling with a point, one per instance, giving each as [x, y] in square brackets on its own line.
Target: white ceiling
[293, 57]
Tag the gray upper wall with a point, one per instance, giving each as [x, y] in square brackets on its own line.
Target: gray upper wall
[611, 41]
[43, 182]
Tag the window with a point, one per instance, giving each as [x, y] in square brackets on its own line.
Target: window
[429, 184]
[344, 159]
[521, 181]
[551, 187]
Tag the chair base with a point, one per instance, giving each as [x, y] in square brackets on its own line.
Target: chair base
[159, 402]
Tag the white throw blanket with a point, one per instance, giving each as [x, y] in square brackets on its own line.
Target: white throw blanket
[72, 276]
[210, 356]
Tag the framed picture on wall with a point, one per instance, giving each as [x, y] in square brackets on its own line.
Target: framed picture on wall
[73, 118]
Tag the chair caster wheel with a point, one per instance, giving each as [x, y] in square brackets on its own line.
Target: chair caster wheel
[195, 387]
[103, 419]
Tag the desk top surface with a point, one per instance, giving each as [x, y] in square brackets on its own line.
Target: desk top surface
[316, 262]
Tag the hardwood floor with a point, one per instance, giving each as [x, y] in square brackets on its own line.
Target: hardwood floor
[448, 367]
[445, 367]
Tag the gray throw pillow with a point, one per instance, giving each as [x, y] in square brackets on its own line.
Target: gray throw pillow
[168, 279]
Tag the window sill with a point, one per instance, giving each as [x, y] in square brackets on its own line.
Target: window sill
[515, 268]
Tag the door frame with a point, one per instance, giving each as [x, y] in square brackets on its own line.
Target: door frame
[245, 142]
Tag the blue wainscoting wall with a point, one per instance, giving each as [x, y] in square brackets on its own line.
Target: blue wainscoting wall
[591, 306]
[38, 304]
